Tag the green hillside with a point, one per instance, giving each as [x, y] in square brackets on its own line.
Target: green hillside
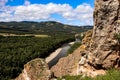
[49, 27]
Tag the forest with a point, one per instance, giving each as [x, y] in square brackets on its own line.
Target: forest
[16, 51]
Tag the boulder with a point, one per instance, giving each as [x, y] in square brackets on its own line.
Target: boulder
[36, 69]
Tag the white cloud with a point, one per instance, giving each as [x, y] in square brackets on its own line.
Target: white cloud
[82, 13]
[27, 2]
[3, 2]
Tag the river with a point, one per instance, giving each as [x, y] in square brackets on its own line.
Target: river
[57, 54]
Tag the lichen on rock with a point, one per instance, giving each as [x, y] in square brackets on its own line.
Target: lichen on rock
[36, 69]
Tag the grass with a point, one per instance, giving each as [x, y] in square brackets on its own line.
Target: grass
[112, 74]
[117, 35]
[73, 47]
[38, 35]
[35, 35]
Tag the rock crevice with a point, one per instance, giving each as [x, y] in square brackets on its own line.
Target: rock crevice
[36, 69]
[101, 49]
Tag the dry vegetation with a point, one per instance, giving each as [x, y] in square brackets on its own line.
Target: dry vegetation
[35, 35]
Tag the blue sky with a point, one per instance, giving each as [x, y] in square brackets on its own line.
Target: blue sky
[73, 3]
[73, 12]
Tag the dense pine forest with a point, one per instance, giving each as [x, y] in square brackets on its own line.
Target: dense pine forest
[15, 51]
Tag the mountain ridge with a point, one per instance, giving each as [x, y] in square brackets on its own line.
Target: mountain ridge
[40, 27]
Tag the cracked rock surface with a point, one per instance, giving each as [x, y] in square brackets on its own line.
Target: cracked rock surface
[104, 46]
[100, 47]
[36, 69]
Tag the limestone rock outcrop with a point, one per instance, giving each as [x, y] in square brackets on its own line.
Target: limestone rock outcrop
[36, 69]
[67, 65]
[100, 49]
[104, 46]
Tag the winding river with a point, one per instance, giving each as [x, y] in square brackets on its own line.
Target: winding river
[57, 54]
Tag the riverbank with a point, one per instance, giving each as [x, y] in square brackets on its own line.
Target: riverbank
[57, 54]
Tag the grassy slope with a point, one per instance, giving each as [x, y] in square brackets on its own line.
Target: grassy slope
[111, 75]
[42, 27]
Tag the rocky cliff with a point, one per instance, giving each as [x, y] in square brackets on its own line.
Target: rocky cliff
[104, 46]
[36, 69]
[100, 49]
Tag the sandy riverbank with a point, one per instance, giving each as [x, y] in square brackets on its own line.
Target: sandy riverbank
[55, 53]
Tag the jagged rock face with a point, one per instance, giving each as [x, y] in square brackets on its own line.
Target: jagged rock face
[67, 65]
[36, 69]
[101, 49]
[104, 47]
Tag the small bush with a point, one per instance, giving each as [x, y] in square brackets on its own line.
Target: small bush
[117, 36]
[73, 47]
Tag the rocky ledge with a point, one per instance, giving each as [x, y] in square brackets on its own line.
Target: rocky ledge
[36, 69]
[100, 49]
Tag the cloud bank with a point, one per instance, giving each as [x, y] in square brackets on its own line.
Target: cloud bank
[3, 2]
[38, 12]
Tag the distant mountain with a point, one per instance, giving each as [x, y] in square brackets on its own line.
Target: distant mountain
[40, 27]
